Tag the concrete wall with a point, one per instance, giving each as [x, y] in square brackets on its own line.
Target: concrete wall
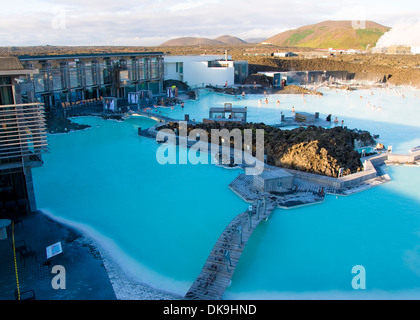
[196, 70]
[315, 76]
[272, 184]
[171, 73]
[404, 158]
[296, 77]
[341, 75]
[316, 178]
[198, 73]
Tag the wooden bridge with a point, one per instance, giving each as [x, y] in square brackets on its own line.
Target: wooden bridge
[221, 263]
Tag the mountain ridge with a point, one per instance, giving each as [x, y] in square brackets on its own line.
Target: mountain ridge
[341, 34]
[195, 41]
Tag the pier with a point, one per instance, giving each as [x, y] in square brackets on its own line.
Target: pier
[221, 263]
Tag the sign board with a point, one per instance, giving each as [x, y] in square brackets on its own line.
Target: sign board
[54, 250]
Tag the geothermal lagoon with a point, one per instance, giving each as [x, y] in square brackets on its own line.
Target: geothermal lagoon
[161, 221]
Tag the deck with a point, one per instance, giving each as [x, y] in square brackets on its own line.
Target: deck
[221, 263]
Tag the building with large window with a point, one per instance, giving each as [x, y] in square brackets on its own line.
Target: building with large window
[80, 77]
[22, 138]
[202, 70]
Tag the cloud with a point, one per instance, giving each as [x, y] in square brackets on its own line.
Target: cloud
[141, 22]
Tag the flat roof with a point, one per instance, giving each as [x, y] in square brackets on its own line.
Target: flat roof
[195, 58]
[275, 174]
[89, 55]
[222, 109]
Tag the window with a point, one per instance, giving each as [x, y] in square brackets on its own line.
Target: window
[6, 92]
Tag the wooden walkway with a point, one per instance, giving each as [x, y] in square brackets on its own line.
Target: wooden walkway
[218, 270]
[155, 116]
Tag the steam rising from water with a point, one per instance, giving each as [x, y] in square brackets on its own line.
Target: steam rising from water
[402, 33]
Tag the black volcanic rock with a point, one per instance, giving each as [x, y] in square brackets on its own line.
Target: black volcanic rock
[63, 125]
[312, 149]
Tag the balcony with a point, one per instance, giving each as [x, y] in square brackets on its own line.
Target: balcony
[23, 135]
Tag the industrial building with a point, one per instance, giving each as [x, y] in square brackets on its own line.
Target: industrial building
[393, 50]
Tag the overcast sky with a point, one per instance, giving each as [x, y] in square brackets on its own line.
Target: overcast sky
[151, 22]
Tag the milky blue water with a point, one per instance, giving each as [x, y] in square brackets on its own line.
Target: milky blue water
[161, 221]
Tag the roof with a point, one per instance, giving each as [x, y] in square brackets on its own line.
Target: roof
[274, 174]
[89, 55]
[11, 66]
[10, 63]
[195, 58]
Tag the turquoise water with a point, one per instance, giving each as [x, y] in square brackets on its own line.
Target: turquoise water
[310, 252]
[398, 107]
[165, 217]
[161, 221]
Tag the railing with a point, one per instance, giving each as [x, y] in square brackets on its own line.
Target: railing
[22, 130]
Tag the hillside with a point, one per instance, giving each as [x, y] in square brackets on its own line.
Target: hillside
[191, 41]
[230, 40]
[194, 41]
[331, 34]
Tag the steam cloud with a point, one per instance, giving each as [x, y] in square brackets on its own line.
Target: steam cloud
[402, 33]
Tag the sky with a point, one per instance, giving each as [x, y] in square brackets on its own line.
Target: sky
[152, 22]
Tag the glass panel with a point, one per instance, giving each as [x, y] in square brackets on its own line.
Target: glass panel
[56, 78]
[154, 86]
[134, 70]
[154, 68]
[73, 78]
[88, 76]
[6, 95]
[81, 77]
[39, 82]
[5, 80]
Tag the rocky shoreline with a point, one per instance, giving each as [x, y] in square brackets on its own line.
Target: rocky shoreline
[312, 149]
[63, 125]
